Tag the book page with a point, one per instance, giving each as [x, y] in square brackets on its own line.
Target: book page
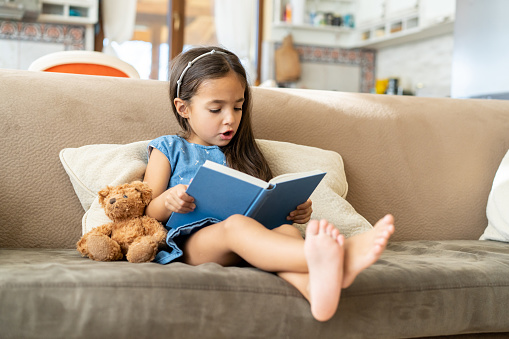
[293, 176]
[236, 174]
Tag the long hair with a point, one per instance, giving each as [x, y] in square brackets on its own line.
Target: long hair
[241, 153]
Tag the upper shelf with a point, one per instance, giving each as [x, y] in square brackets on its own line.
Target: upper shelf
[324, 28]
[69, 11]
[405, 36]
[430, 18]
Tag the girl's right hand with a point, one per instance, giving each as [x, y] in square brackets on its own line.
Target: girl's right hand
[177, 200]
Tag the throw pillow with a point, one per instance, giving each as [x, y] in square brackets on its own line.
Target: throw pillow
[93, 167]
[328, 198]
[497, 209]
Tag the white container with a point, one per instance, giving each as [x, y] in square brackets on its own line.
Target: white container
[298, 11]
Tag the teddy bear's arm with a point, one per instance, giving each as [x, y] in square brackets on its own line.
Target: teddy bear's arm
[154, 228]
[102, 230]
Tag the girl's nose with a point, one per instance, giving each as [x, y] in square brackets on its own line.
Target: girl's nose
[229, 117]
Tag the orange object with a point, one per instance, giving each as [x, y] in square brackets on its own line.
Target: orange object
[288, 13]
[82, 68]
[84, 62]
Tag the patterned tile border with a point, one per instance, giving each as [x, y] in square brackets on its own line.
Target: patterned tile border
[72, 36]
[365, 58]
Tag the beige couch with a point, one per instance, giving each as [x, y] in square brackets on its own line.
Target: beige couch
[430, 162]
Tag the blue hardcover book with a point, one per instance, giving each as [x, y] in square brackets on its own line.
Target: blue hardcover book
[220, 192]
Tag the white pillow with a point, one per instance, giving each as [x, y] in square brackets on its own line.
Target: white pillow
[497, 209]
[93, 167]
[328, 198]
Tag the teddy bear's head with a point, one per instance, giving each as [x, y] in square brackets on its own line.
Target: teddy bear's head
[125, 201]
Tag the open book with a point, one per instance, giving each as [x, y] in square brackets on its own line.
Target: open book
[220, 192]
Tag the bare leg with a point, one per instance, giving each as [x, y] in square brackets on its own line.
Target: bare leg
[240, 236]
[363, 250]
[299, 280]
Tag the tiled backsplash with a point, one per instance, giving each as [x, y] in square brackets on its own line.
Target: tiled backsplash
[336, 68]
[23, 42]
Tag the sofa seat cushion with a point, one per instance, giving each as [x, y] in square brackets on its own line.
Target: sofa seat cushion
[417, 288]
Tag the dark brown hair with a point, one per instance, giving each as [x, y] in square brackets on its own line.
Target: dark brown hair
[242, 153]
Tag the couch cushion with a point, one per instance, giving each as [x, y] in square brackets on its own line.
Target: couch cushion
[418, 288]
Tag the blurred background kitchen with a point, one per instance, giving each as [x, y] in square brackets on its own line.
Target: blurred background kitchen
[436, 48]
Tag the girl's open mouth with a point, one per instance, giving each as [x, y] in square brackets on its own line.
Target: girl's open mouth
[227, 135]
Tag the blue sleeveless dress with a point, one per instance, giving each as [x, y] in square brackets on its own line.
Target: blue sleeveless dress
[185, 159]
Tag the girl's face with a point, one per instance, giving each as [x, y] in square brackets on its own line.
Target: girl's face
[215, 111]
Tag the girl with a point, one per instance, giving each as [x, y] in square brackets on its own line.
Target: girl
[212, 103]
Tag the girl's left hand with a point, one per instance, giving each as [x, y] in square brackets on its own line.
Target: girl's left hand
[302, 214]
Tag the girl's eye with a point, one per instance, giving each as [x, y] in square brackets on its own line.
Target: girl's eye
[215, 110]
[238, 108]
[125, 196]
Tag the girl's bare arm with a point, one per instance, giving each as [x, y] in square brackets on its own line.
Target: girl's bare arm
[164, 201]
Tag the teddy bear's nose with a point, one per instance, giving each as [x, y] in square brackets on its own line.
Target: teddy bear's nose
[112, 200]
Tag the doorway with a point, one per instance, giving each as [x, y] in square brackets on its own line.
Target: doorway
[165, 28]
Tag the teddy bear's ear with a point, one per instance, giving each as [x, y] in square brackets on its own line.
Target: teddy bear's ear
[103, 194]
[145, 190]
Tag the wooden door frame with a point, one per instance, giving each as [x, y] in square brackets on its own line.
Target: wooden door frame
[176, 23]
[176, 31]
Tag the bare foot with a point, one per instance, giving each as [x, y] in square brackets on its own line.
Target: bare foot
[363, 250]
[324, 254]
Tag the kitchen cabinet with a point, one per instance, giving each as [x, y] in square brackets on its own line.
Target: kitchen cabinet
[69, 11]
[404, 21]
[432, 12]
[395, 8]
[369, 11]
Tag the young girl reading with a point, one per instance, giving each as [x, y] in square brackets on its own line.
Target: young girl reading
[212, 103]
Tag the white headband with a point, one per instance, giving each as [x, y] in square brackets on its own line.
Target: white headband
[179, 81]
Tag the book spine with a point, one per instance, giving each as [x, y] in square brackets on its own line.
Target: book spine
[258, 203]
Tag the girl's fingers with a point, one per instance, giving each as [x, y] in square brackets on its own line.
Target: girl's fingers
[179, 205]
[305, 206]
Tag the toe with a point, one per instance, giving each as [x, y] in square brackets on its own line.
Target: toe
[335, 232]
[312, 228]
[323, 226]
[340, 239]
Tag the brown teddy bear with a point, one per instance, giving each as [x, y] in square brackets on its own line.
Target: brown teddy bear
[131, 234]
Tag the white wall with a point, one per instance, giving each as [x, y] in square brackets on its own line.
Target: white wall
[423, 67]
[481, 56]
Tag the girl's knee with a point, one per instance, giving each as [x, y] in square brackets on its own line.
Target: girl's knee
[235, 220]
[240, 223]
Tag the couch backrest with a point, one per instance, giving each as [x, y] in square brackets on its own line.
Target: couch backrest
[430, 162]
